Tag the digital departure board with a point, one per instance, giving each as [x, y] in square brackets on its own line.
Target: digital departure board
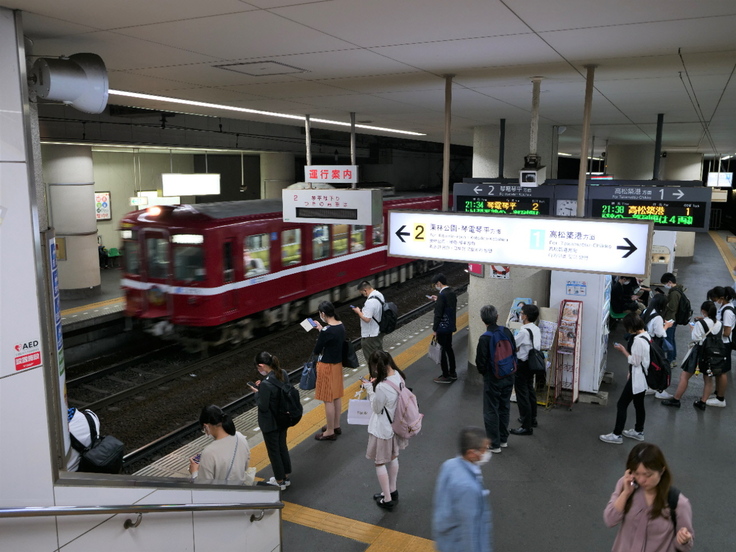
[502, 199]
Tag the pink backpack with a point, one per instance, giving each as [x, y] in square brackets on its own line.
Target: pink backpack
[407, 420]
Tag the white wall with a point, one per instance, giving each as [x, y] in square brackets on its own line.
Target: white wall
[630, 162]
[682, 166]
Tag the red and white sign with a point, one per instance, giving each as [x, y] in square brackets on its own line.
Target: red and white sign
[332, 174]
[31, 360]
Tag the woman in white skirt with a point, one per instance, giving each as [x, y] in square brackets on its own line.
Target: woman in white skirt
[383, 444]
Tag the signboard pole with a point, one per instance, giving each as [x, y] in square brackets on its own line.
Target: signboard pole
[584, 139]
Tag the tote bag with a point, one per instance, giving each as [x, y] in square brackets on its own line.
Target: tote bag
[435, 351]
[359, 411]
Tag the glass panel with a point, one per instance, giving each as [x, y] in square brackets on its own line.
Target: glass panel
[378, 234]
[228, 272]
[339, 239]
[256, 257]
[320, 241]
[158, 257]
[291, 247]
[189, 263]
[357, 238]
[132, 257]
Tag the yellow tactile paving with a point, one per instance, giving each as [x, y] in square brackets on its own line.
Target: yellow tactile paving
[726, 253]
[84, 308]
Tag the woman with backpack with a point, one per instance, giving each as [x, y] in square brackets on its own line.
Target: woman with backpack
[636, 382]
[268, 397]
[226, 457]
[657, 328]
[329, 387]
[383, 443]
[652, 515]
[700, 328]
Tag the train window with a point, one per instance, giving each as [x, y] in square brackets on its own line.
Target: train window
[158, 257]
[189, 263]
[320, 241]
[291, 247]
[256, 255]
[228, 272]
[378, 234]
[357, 238]
[132, 257]
[339, 239]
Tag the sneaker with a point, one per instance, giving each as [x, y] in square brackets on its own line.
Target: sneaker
[673, 364]
[700, 405]
[663, 395]
[649, 391]
[287, 482]
[671, 402]
[273, 481]
[633, 434]
[453, 377]
[504, 444]
[442, 379]
[495, 450]
[611, 438]
[715, 402]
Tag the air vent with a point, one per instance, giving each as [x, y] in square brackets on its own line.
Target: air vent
[262, 68]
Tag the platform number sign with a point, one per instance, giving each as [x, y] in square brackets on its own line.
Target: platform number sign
[537, 239]
[103, 207]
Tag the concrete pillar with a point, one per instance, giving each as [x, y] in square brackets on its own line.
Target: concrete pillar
[486, 140]
[277, 172]
[627, 162]
[69, 176]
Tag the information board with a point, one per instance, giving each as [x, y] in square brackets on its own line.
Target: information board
[669, 208]
[502, 199]
[333, 206]
[580, 245]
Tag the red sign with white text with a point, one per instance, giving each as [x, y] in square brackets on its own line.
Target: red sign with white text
[31, 360]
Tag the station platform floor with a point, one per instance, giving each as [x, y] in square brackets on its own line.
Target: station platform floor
[548, 490]
[109, 303]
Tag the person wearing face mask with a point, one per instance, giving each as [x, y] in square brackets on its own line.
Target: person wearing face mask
[642, 505]
[224, 460]
[722, 298]
[674, 294]
[461, 511]
[268, 397]
[623, 298]
[445, 311]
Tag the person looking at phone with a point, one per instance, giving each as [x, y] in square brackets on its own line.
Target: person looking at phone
[370, 315]
[329, 370]
[641, 506]
[443, 326]
[674, 295]
[226, 458]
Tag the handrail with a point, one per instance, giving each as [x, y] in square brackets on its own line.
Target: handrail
[42, 511]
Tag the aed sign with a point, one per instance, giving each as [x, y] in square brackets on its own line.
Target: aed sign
[502, 199]
[669, 208]
[27, 355]
[333, 206]
[580, 245]
[332, 174]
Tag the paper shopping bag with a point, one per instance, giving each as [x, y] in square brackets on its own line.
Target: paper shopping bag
[359, 411]
[435, 351]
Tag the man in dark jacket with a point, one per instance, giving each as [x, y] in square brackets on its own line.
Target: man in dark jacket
[445, 308]
[496, 391]
[674, 294]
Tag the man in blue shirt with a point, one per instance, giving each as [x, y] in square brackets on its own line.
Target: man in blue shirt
[461, 513]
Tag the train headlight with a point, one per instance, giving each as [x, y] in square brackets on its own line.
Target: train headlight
[154, 211]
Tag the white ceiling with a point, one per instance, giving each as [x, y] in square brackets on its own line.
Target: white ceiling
[385, 60]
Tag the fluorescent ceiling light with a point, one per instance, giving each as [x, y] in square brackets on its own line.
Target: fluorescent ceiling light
[253, 111]
[190, 184]
[564, 154]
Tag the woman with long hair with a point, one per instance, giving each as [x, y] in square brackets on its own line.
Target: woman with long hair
[268, 397]
[641, 505]
[383, 443]
[329, 387]
[226, 458]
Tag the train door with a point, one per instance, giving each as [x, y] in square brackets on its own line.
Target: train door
[156, 268]
[292, 260]
[229, 295]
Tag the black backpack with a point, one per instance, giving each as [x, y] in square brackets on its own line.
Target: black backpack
[714, 353]
[684, 310]
[660, 371]
[389, 316]
[290, 405]
[536, 362]
[104, 455]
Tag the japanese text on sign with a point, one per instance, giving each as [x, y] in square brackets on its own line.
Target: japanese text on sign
[331, 173]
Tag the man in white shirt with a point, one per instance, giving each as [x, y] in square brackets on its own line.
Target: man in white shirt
[371, 339]
[526, 397]
[79, 428]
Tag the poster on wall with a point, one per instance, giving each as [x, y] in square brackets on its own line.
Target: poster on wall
[103, 207]
[503, 272]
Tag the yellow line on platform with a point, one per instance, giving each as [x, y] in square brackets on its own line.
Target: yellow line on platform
[92, 306]
[728, 257]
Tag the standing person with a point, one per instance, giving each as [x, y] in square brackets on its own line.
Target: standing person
[79, 429]
[526, 397]
[371, 339]
[461, 513]
[496, 391]
[444, 326]
[224, 459]
[700, 329]
[268, 397]
[726, 316]
[623, 298]
[641, 501]
[383, 444]
[329, 370]
[674, 294]
[636, 382]
[653, 317]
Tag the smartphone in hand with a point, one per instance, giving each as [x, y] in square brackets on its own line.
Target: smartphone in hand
[197, 457]
[312, 322]
[250, 384]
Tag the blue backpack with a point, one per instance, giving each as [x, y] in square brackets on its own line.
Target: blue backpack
[503, 352]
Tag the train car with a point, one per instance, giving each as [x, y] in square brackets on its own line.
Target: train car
[209, 273]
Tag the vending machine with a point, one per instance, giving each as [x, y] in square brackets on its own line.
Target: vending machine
[594, 291]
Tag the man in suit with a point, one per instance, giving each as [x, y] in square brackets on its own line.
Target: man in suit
[445, 308]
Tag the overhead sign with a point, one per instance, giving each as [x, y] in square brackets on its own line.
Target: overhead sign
[502, 199]
[580, 245]
[332, 206]
[175, 184]
[669, 208]
[332, 174]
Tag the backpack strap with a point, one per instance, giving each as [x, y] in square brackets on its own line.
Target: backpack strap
[531, 337]
[397, 388]
[76, 443]
[382, 304]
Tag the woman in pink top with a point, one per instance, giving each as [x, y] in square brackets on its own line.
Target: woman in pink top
[640, 504]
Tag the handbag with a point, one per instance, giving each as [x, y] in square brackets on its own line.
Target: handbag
[536, 361]
[435, 351]
[349, 357]
[308, 380]
[359, 411]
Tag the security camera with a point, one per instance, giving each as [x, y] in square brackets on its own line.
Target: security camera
[531, 178]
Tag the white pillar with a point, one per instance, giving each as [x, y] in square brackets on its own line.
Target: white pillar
[277, 172]
[486, 141]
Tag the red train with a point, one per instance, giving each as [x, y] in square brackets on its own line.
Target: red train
[211, 273]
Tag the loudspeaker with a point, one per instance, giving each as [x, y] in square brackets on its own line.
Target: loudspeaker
[79, 80]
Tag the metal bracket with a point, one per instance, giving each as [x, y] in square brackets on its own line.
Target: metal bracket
[258, 517]
[130, 523]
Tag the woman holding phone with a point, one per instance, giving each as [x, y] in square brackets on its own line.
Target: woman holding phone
[642, 505]
[329, 369]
